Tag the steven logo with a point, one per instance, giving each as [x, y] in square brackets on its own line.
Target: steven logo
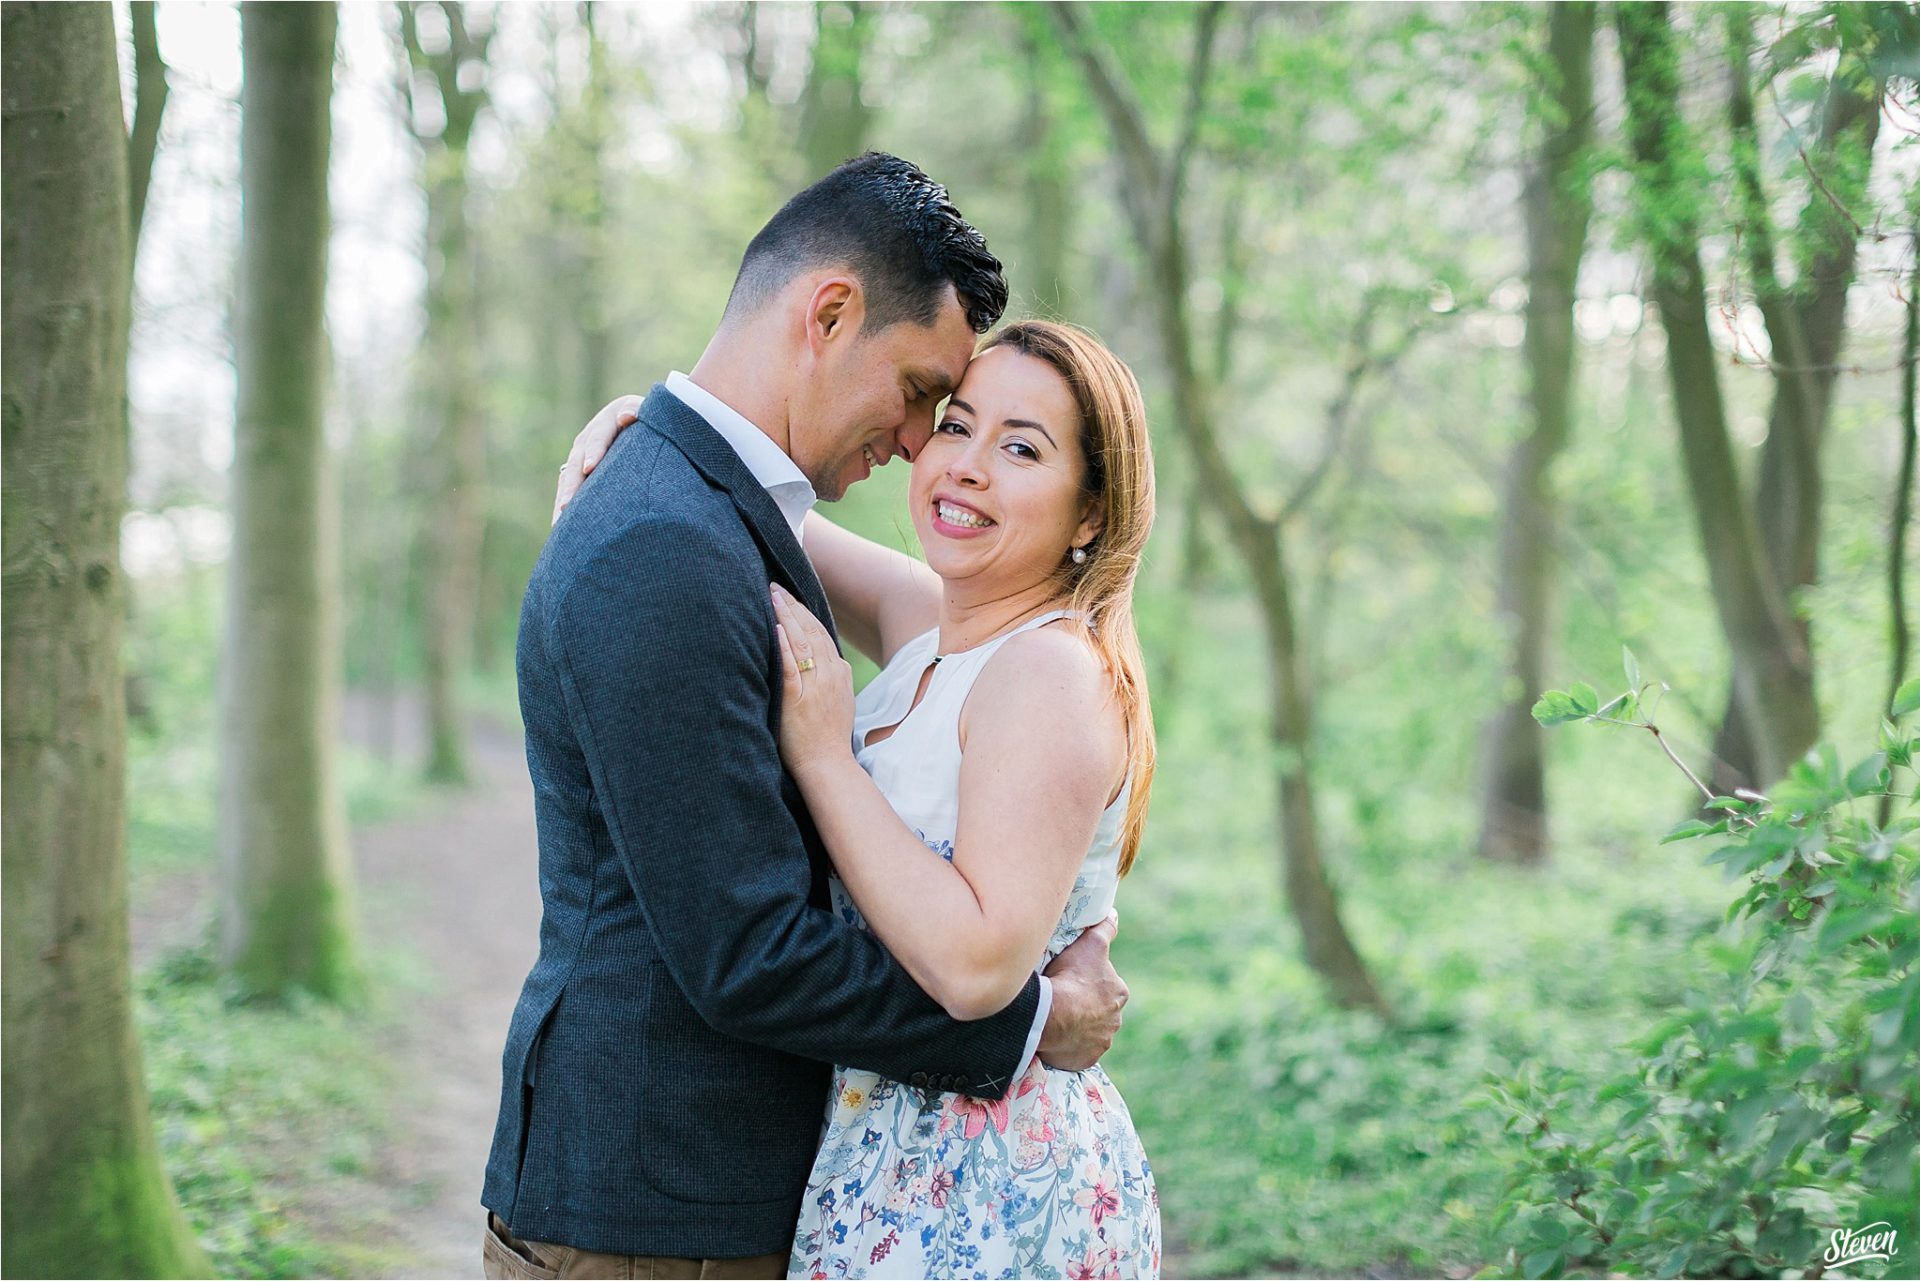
[1863, 1243]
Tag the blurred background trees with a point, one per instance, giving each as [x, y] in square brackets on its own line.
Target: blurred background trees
[1477, 341]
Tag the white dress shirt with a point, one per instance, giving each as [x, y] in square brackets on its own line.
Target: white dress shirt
[778, 474]
[793, 494]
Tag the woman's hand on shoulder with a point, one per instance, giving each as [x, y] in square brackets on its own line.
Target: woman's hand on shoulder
[591, 445]
[816, 695]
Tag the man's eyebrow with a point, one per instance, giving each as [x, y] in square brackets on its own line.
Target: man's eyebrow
[1027, 423]
[938, 385]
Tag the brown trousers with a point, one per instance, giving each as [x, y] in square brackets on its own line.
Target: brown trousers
[507, 1256]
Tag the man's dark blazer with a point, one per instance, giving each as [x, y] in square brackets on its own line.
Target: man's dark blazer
[665, 1075]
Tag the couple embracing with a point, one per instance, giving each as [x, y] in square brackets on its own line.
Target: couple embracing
[823, 980]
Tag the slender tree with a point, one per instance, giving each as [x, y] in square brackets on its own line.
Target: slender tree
[1902, 519]
[1806, 330]
[85, 1194]
[1773, 671]
[1558, 201]
[149, 105]
[286, 902]
[453, 73]
[1154, 185]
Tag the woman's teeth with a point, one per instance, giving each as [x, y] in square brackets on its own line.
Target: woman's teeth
[867, 451]
[961, 516]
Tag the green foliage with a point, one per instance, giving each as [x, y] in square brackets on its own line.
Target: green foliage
[257, 1107]
[1781, 1101]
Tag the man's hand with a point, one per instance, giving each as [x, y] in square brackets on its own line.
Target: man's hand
[591, 445]
[1088, 995]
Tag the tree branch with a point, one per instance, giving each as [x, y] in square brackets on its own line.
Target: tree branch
[1108, 83]
[1339, 416]
[1206, 28]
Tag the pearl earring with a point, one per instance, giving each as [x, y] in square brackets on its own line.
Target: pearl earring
[1079, 555]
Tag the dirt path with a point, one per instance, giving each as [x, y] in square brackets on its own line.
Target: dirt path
[459, 885]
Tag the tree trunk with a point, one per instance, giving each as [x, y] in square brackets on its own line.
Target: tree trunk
[456, 522]
[1902, 507]
[1773, 674]
[287, 904]
[1807, 329]
[1310, 893]
[1513, 822]
[1049, 227]
[1153, 187]
[833, 118]
[149, 105]
[85, 1191]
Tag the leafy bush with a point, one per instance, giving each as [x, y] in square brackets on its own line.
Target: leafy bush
[1781, 1103]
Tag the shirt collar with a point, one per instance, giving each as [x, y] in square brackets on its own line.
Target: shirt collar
[783, 480]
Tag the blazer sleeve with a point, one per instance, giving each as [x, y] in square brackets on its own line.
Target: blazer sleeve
[664, 647]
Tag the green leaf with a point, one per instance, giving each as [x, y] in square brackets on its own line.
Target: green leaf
[1727, 803]
[1868, 776]
[1584, 698]
[1556, 707]
[1540, 1263]
[1632, 666]
[1689, 829]
[1907, 697]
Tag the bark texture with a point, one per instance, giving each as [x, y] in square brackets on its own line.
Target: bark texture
[1772, 670]
[286, 879]
[1513, 821]
[85, 1191]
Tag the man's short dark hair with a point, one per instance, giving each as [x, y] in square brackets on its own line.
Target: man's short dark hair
[895, 228]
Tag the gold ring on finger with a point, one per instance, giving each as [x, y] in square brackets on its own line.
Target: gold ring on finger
[806, 664]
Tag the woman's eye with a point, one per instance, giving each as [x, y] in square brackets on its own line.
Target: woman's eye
[1021, 449]
[952, 428]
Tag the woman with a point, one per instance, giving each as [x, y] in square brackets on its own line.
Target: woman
[980, 800]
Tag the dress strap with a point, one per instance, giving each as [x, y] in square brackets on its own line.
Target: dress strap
[984, 648]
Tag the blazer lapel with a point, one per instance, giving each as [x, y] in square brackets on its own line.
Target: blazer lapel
[708, 450]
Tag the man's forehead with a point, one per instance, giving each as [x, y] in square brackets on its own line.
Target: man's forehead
[947, 345]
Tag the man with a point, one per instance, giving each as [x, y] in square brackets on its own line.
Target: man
[666, 1070]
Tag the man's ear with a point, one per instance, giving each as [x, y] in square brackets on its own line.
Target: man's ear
[835, 309]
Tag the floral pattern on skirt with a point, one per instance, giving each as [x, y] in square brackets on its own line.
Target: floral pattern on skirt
[1050, 1181]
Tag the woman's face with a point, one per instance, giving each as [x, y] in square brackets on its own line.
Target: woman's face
[996, 492]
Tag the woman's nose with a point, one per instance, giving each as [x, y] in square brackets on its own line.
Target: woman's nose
[965, 470]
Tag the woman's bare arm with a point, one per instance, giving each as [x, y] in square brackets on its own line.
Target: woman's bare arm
[1044, 744]
[881, 598]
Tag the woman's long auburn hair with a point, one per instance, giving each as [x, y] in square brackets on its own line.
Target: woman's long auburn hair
[1119, 478]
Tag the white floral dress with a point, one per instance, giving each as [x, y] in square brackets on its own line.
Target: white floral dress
[1050, 1181]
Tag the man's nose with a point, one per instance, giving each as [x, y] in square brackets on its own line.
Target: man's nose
[914, 435]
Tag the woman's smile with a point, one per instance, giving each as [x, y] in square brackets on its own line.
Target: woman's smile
[955, 519]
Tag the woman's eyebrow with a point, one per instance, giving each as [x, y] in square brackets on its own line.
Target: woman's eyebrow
[1027, 423]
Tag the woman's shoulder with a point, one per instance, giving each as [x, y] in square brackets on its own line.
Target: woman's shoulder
[1049, 670]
